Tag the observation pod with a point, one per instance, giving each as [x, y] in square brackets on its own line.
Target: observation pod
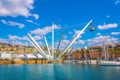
[92, 28]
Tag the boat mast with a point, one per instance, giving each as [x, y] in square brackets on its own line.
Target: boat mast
[53, 40]
[106, 48]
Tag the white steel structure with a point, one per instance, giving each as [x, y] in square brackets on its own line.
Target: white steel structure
[74, 39]
[51, 56]
[48, 48]
[53, 40]
[37, 46]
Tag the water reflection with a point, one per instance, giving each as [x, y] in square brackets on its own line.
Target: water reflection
[59, 72]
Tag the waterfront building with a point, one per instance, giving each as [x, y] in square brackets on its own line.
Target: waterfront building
[78, 54]
[93, 52]
[97, 52]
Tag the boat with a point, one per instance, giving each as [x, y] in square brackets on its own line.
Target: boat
[109, 63]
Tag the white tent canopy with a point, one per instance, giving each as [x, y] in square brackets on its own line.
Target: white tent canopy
[20, 56]
[39, 55]
[5, 55]
[31, 56]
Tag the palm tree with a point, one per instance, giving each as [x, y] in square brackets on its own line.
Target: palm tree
[87, 53]
[63, 56]
[99, 49]
[115, 52]
[117, 49]
[83, 54]
[78, 53]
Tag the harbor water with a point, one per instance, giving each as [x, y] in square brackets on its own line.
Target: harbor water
[59, 72]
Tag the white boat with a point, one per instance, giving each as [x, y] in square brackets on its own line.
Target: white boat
[109, 63]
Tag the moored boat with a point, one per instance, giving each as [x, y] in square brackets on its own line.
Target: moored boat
[109, 63]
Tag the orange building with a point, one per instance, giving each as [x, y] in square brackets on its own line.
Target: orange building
[97, 52]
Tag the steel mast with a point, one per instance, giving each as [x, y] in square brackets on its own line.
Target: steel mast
[74, 39]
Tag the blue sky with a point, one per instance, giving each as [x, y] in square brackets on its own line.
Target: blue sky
[17, 18]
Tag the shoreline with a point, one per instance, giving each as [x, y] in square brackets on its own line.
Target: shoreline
[42, 61]
[20, 61]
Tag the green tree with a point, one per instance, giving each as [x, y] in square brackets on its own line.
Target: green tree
[87, 53]
[83, 53]
[115, 51]
[99, 49]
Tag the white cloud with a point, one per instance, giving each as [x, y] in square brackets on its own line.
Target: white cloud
[76, 32]
[13, 40]
[3, 40]
[117, 2]
[39, 43]
[108, 16]
[17, 42]
[44, 30]
[115, 33]
[14, 37]
[101, 39]
[4, 22]
[64, 43]
[11, 37]
[98, 34]
[65, 36]
[30, 21]
[80, 42]
[20, 25]
[16, 7]
[96, 40]
[11, 23]
[37, 37]
[113, 40]
[107, 26]
[70, 32]
[36, 16]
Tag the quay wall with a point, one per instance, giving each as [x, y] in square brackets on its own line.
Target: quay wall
[20, 61]
[23, 61]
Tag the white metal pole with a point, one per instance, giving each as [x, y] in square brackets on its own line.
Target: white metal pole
[53, 40]
[32, 39]
[47, 47]
[59, 43]
[33, 44]
[74, 39]
[107, 54]
[36, 48]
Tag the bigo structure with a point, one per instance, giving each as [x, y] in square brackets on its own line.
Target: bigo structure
[50, 56]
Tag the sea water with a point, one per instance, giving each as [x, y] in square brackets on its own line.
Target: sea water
[59, 72]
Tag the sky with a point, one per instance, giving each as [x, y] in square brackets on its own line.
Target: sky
[19, 17]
